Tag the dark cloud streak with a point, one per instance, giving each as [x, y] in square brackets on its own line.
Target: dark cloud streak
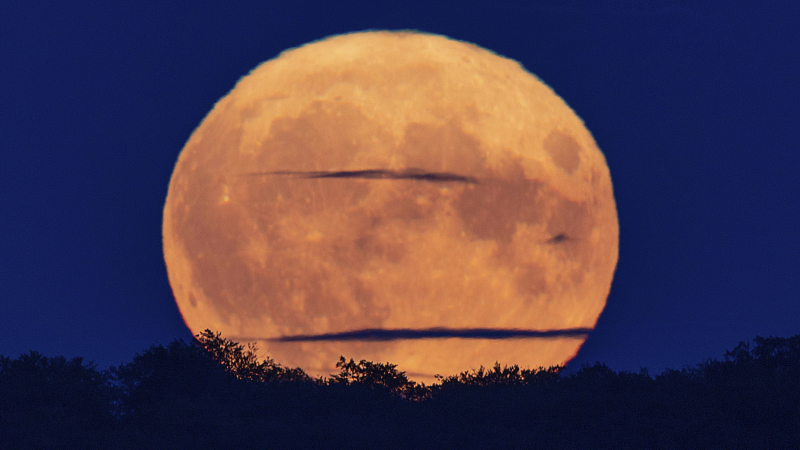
[380, 174]
[399, 334]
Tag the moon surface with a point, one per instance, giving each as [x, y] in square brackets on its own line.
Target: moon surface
[396, 197]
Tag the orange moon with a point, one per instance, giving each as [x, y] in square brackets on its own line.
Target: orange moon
[396, 197]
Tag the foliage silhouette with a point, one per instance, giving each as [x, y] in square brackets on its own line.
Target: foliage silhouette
[507, 375]
[378, 376]
[49, 402]
[243, 361]
[216, 392]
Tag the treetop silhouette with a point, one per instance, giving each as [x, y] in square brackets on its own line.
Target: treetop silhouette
[210, 391]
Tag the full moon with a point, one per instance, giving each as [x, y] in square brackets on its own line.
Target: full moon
[396, 197]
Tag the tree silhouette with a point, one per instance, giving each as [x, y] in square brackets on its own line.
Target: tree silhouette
[379, 376]
[174, 397]
[53, 403]
[243, 362]
[506, 375]
[215, 392]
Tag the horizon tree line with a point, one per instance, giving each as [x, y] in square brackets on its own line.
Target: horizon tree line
[215, 391]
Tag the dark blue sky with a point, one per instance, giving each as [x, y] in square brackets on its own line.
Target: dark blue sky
[695, 105]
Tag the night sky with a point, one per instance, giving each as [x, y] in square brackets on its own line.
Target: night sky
[694, 104]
